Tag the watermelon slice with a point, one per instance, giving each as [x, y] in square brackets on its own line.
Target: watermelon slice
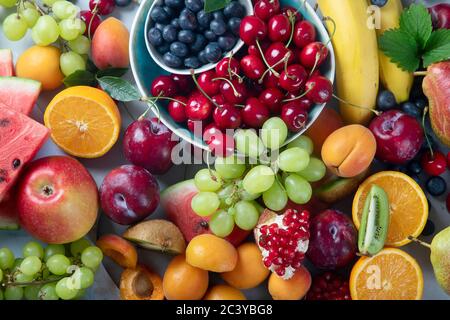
[6, 63]
[19, 94]
[9, 219]
[20, 140]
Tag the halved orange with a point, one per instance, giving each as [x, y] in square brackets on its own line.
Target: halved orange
[84, 121]
[408, 205]
[392, 274]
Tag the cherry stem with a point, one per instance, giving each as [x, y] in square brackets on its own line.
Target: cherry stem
[299, 97]
[334, 29]
[422, 243]
[425, 111]
[316, 62]
[284, 60]
[151, 105]
[167, 98]
[420, 73]
[265, 61]
[292, 21]
[355, 105]
[201, 89]
[235, 92]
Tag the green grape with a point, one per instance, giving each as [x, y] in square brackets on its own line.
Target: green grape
[31, 15]
[80, 45]
[31, 292]
[6, 258]
[298, 189]
[71, 62]
[83, 278]
[1, 275]
[15, 27]
[258, 179]
[230, 167]
[221, 223]
[248, 143]
[224, 195]
[92, 257]
[81, 293]
[53, 249]
[246, 216]
[276, 197]
[77, 247]
[205, 203]
[68, 29]
[8, 3]
[314, 171]
[48, 292]
[20, 277]
[58, 264]
[45, 31]
[31, 265]
[208, 180]
[245, 195]
[33, 249]
[273, 133]
[17, 263]
[64, 10]
[65, 289]
[49, 3]
[13, 293]
[258, 207]
[302, 142]
[293, 160]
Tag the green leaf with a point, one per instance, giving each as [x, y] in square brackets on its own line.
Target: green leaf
[119, 89]
[417, 22]
[90, 66]
[213, 5]
[437, 48]
[112, 72]
[80, 78]
[401, 48]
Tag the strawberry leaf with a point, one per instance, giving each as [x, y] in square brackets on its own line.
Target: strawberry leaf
[417, 22]
[437, 48]
[401, 48]
[214, 5]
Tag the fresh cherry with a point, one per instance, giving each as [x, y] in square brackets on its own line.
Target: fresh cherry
[302, 102]
[271, 80]
[198, 107]
[252, 66]
[219, 99]
[91, 20]
[254, 113]
[319, 89]
[226, 66]
[294, 116]
[234, 91]
[184, 83]
[266, 9]
[434, 164]
[252, 29]
[277, 52]
[312, 52]
[227, 116]
[293, 78]
[195, 126]
[163, 86]
[102, 7]
[177, 109]
[279, 28]
[272, 98]
[206, 81]
[304, 33]
[254, 86]
[220, 144]
[288, 11]
[253, 49]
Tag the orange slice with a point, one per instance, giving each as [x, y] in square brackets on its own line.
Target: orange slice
[84, 121]
[392, 274]
[408, 205]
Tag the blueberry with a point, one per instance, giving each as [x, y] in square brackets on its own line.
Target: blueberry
[421, 103]
[194, 5]
[416, 178]
[218, 15]
[399, 168]
[192, 63]
[169, 33]
[209, 35]
[436, 186]
[165, 47]
[175, 22]
[179, 49]
[202, 57]
[226, 42]
[204, 18]
[411, 109]
[122, 3]
[154, 36]
[234, 9]
[175, 4]
[386, 100]
[379, 3]
[218, 27]
[429, 229]
[213, 53]
[172, 60]
[160, 15]
[414, 167]
[186, 36]
[233, 25]
[170, 12]
[199, 43]
[187, 20]
[160, 26]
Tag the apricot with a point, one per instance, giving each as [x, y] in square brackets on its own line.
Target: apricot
[209, 252]
[182, 281]
[349, 150]
[224, 292]
[119, 250]
[140, 284]
[250, 270]
[293, 289]
[41, 64]
[328, 121]
[110, 45]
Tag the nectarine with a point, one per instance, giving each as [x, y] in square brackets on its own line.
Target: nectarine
[293, 289]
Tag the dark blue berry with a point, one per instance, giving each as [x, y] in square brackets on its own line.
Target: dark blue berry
[204, 18]
[186, 36]
[165, 47]
[385, 100]
[234, 9]
[429, 229]
[160, 26]
[202, 57]
[233, 25]
[170, 12]
[160, 15]
[176, 23]
[172, 60]
[199, 43]
[154, 36]
[122, 3]
[209, 35]
[179, 49]
[421, 103]
[416, 178]
[218, 27]
[187, 20]
[192, 63]
[399, 168]
[213, 52]
[379, 3]
[169, 33]
[226, 42]
[175, 4]
[218, 15]
[414, 167]
[411, 109]
[436, 186]
[194, 5]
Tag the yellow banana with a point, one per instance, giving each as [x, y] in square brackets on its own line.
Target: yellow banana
[356, 51]
[392, 77]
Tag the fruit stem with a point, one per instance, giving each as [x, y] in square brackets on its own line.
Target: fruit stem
[334, 29]
[299, 97]
[422, 243]
[264, 59]
[356, 106]
[201, 89]
[167, 98]
[420, 73]
[292, 21]
[315, 64]
[425, 111]
[151, 104]
[236, 94]
[31, 283]
[284, 60]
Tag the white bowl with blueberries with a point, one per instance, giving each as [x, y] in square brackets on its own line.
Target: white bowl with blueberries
[181, 36]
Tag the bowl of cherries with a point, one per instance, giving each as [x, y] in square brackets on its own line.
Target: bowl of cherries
[278, 81]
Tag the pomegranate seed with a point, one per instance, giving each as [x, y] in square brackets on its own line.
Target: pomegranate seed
[280, 272]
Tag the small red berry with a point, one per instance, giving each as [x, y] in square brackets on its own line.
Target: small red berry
[434, 165]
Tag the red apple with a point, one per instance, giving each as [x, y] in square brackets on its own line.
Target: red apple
[57, 200]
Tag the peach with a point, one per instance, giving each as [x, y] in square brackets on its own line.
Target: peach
[140, 284]
[209, 252]
[293, 289]
[224, 292]
[110, 45]
[349, 150]
[328, 121]
[182, 281]
[119, 250]
[250, 270]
